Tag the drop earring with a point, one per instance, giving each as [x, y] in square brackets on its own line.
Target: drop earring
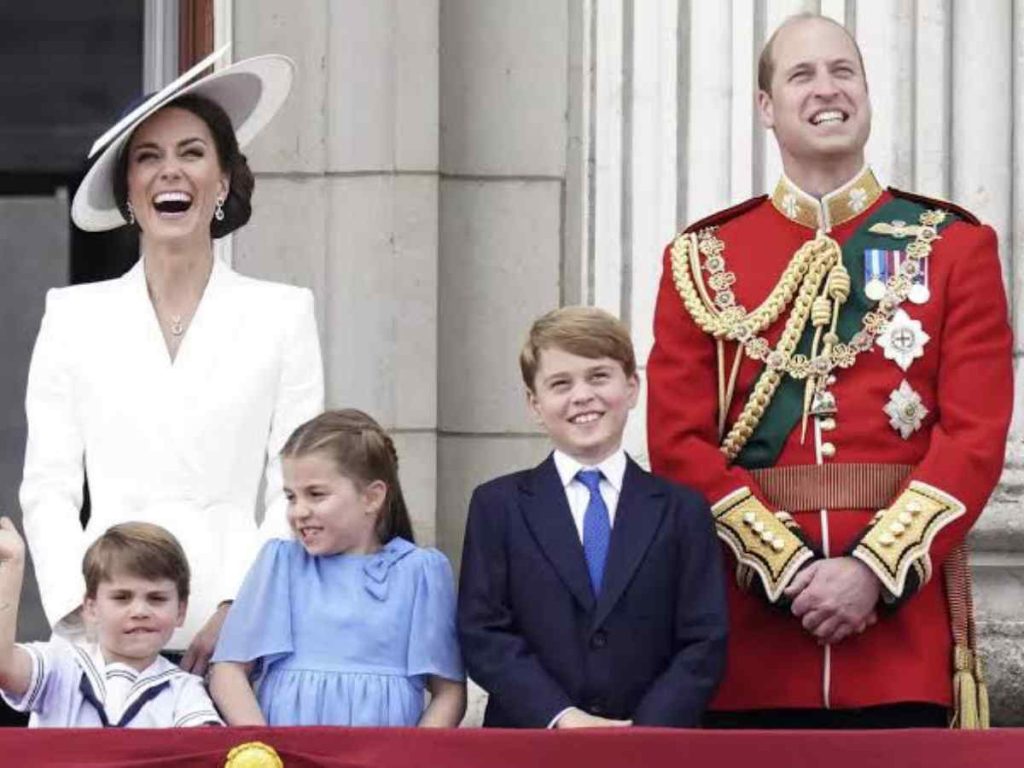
[131, 214]
[218, 212]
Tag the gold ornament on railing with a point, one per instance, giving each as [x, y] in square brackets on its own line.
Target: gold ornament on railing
[253, 754]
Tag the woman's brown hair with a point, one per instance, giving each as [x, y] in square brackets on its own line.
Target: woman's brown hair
[363, 452]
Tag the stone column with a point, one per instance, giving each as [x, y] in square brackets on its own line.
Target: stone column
[346, 204]
[447, 170]
[504, 97]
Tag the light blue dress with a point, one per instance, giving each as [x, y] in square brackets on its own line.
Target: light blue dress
[344, 639]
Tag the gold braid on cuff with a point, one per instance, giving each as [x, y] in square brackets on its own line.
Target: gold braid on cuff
[901, 536]
[761, 541]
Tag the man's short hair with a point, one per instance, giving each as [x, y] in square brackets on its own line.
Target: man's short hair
[766, 61]
[143, 550]
[585, 331]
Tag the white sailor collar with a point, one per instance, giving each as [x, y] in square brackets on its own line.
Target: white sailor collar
[837, 207]
[142, 686]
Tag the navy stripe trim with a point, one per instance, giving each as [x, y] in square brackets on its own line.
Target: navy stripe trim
[145, 682]
[139, 689]
[39, 676]
[90, 696]
[205, 716]
[139, 703]
[89, 668]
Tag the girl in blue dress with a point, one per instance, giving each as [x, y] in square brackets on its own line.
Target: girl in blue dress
[349, 622]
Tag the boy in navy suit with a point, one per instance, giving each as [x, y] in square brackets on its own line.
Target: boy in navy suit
[591, 591]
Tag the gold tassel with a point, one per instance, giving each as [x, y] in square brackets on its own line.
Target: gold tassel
[983, 715]
[965, 691]
[970, 695]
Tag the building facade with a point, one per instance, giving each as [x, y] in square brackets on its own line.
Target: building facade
[446, 170]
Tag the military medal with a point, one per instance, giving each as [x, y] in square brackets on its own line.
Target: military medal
[877, 269]
[919, 292]
[903, 339]
[905, 410]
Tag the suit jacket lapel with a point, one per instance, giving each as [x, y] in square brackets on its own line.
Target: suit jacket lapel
[637, 517]
[547, 514]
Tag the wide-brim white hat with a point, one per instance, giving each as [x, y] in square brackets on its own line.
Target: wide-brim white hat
[249, 91]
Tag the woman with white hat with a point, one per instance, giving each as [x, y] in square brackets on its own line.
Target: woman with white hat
[172, 388]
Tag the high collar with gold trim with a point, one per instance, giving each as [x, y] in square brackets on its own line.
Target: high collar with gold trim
[835, 208]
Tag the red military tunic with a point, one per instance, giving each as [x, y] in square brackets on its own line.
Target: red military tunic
[953, 450]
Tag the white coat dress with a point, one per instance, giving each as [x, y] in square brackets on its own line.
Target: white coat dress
[183, 443]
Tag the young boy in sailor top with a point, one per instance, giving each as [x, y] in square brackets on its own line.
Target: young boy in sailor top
[137, 585]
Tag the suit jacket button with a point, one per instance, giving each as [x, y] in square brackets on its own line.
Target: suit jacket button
[599, 640]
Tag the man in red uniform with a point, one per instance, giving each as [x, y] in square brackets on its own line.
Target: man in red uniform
[832, 367]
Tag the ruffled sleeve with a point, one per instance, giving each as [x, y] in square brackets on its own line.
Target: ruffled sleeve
[433, 644]
[259, 624]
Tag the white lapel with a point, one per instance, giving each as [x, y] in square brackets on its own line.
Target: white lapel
[149, 367]
[178, 392]
[198, 371]
[140, 323]
[213, 324]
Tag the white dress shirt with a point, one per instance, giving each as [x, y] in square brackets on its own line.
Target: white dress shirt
[612, 470]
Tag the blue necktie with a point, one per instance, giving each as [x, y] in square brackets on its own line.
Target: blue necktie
[596, 527]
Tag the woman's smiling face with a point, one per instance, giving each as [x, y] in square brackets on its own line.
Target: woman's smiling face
[174, 176]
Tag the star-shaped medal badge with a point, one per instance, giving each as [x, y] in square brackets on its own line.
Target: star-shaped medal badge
[905, 410]
[903, 339]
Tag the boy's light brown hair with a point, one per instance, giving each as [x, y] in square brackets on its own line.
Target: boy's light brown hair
[143, 550]
[585, 331]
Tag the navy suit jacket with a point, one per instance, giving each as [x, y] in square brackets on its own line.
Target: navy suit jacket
[650, 647]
